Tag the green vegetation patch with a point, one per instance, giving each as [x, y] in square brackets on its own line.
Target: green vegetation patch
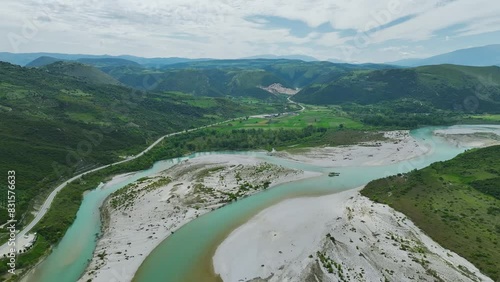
[445, 87]
[491, 118]
[124, 197]
[56, 125]
[326, 117]
[455, 202]
[488, 186]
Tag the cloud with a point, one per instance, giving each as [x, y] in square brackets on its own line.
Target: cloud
[393, 48]
[462, 13]
[296, 28]
[238, 28]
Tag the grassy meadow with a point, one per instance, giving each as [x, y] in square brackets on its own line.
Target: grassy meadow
[317, 116]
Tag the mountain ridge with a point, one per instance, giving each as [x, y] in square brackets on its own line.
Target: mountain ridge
[80, 71]
[487, 55]
[447, 87]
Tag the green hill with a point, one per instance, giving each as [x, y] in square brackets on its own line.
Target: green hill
[80, 71]
[233, 77]
[456, 202]
[55, 125]
[295, 72]
[448, 87]
[215, 78]
[101, 63]
[211, 82]
[43, 61]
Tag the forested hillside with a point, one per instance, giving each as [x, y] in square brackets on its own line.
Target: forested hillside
[80, 71]
[447, 87]
[456, 202]
[53, 125]
[217, 78]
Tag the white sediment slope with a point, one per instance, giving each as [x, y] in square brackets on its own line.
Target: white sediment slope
[399, 146]
[481, 136]
[346, 236]
[299, 239]
[153, 208]
[135, 228]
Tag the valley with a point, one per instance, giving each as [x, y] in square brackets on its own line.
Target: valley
[90, 120]
[250, 141]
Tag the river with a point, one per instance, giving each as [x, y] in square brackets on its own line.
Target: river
[187, 254]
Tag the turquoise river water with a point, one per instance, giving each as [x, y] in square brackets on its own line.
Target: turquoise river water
[191, 247]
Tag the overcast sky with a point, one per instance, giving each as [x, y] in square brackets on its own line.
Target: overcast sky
[348, 30]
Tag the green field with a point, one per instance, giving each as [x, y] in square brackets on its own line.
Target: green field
[325, 117]
[495, 118]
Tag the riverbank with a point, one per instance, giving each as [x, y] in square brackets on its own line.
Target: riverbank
[335, 237]
[468, 137]
[151, 209]
[398, 146]
[344, 236]
[146, 219]
[149, 218]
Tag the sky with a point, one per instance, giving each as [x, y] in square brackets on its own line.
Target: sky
[346, 30]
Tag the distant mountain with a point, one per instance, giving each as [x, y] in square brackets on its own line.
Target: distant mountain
[377, 66]
[201, 82]
[243, 77]
[107, 62]
[104, 64]
[407, 62]
[159, 62]
[447, 87]
[304, 58]
[80, 71]
[478, 56]
[336, 61]
[43, 61]
[22, 59]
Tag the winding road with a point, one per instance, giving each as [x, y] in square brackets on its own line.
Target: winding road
[293, 102]
[21, 240]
